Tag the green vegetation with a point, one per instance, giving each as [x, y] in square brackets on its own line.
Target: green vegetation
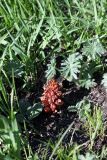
[33, 34]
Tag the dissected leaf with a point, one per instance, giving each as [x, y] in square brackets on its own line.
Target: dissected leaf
[93, 49]
[70, 67]
[87, 83]
[51, 71]
[88, 156]
[104, 80]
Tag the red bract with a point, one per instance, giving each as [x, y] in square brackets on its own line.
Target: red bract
[51, 96]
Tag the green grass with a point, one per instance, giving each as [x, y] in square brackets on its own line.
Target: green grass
[31, 32]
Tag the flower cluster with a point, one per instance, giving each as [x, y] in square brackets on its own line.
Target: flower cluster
[51, 96]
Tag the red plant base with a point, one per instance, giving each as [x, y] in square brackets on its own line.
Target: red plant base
[51, 96]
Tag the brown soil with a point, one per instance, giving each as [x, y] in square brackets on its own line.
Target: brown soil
[51, 126]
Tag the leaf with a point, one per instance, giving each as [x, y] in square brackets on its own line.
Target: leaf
[10, 134]
[87, 83]
[35, 33]
[2, 39]
[81, 107]
[87, 157]
[72, 109]
[104, 80]
[23, 105]
[71, 66]
[4, 126]
[93, 49]
[16, 66]
[29, 111]
[34, 111]
[86, 75]
[7, 157]
[51, 71]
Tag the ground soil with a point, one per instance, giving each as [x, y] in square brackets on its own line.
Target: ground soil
[50, 127]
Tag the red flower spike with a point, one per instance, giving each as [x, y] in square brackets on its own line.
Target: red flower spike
[47, 109]
[53, 107]
[51, 96]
